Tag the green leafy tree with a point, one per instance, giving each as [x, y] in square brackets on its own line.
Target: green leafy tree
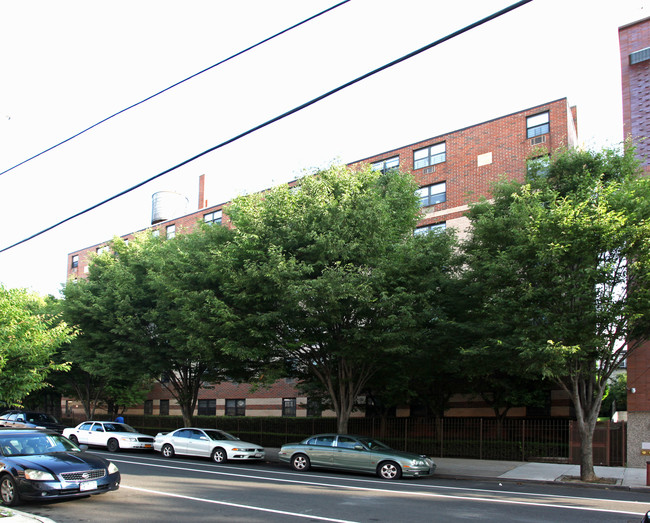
[423, 284]
[107, 307]
[188, 319]
[308, 280]
[562, 268]
[29, 340]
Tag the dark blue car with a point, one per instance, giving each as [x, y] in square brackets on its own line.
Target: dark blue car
[44, 465]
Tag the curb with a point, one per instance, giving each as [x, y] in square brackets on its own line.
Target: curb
[577, 484]
[16, 516]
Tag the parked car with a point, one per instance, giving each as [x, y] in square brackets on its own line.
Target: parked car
[114, 436]
[43, 465]
[27, 419]
[215, 444]
[356, 454]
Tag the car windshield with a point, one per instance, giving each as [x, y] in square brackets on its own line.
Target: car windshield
[40, 417]
[32, 444]
[118, 427]
[219, 435]
[373, 444]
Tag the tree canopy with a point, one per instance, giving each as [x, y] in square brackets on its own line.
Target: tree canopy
[310, 281]
[29, 340]
[560, 267]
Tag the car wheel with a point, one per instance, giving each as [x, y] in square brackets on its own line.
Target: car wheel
[219, 455]
[74, 439]
[300, 462]
[168, 450]
[389, 470]
[9, 491]
[112, 445]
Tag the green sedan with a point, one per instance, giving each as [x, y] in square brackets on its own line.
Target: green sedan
[356, 454]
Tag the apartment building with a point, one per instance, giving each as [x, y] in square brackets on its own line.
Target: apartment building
[634, 43]
[452, 170]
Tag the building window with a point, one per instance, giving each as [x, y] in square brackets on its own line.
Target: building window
[236, 407]
[155, 233]
[289, 407]
[170, 231]
[536, 167]
[425, 229]
[385, 165]
[430, 155]
[212, 217]
[432, 194]
[314, 408]
[207, 407]
[164, 407]
[148, 407]
[537, 125]
[103, 248]
[75, 261]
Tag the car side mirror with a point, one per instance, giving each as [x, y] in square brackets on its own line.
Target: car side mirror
[22, 420]
[358, 447]
[204, 438]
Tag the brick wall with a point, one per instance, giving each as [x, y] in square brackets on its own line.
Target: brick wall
[635, 79]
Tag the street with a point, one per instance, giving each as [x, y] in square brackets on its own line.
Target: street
[155, 489]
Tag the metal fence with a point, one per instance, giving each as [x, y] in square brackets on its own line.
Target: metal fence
[554, 440]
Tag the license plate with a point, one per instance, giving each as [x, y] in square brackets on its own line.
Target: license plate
[258, 455]
[88, 485]
[147, 446]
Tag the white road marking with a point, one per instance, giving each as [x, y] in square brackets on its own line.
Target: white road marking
[404, 492]
[238, 505]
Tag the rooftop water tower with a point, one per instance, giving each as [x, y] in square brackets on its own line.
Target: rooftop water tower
[167, 205]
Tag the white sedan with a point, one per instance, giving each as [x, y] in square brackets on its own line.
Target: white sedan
[215, 444]
[114, 436]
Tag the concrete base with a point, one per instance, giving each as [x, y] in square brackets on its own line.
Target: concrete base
[638, 432]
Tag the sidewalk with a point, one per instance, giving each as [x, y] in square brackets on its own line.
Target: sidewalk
[9, 515]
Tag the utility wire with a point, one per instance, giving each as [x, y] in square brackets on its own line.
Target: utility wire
[280, 117]
[175, 85]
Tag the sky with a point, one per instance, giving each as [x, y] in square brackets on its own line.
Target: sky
[66, 65]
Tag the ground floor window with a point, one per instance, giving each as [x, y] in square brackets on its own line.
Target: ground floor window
[207, 407]
[289, 407]
[148, 407]
[236, 407]
[164, 407]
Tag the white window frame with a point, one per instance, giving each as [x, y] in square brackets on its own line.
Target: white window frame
[538, 124]
[213, 217]
[431, 155]
[432, 194]
[385, 165]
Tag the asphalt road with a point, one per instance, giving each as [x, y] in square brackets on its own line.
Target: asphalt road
[155, 490]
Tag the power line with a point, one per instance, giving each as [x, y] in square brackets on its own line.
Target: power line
[280, 117]
[174, 85]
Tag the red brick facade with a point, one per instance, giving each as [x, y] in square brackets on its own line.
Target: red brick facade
[474, 158]
[634, 41]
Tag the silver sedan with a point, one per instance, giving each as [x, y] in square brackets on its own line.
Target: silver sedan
[215, 444]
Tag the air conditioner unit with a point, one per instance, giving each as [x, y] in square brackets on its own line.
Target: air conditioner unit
[429, 170]
[538, 139]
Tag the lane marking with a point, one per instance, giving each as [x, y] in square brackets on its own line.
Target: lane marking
[238, 505]
[379, 481]
[405, 492]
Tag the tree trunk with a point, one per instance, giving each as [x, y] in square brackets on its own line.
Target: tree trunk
[587, 396]
[586, 453]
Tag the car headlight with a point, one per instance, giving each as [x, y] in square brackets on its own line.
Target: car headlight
[418, 463]
[112, 468]
[38, 475]
[125, 438]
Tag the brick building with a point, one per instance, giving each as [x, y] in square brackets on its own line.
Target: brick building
[452, 170]
[634, 42]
